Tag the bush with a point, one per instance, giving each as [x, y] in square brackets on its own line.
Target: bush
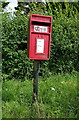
[64, 50]
[64, 47]
[15, 61]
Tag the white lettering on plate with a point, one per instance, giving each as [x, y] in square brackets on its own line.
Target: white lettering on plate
[40, 46]
[40, 29]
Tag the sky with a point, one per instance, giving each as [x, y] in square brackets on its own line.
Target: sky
[13, 2]
[11, 5]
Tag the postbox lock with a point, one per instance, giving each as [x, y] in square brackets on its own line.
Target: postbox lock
[44, 57]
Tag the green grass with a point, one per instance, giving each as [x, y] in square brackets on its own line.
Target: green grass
[57, 98]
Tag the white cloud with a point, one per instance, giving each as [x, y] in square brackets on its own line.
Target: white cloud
[13, 2]
[11, 7]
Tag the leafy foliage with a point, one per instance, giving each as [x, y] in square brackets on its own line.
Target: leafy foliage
[15, 61]
[64, 47]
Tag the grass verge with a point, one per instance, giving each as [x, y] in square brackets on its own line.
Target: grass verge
[57, 98]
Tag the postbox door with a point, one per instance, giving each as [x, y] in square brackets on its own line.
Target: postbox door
[39, 46]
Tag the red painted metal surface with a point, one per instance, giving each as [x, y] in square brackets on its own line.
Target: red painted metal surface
[40, 30]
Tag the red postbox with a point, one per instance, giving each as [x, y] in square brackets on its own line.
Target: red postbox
[40, 30]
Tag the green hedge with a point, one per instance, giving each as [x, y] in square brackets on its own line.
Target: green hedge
[64, 51]
[64, 47]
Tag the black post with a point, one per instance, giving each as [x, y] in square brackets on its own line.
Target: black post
[35, 83]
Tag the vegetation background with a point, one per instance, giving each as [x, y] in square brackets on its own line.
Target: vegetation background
[64, 49]
[64, 61]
